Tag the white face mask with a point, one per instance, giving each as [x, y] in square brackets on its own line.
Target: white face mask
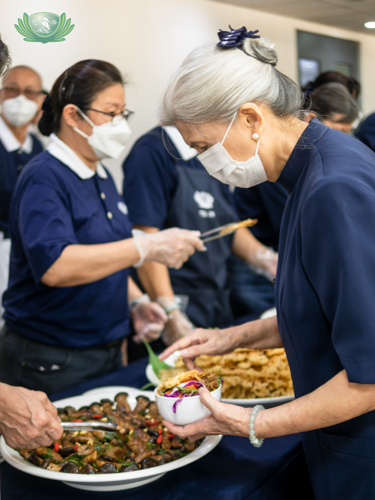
[19, 110]
[107, 140]
[218, 163]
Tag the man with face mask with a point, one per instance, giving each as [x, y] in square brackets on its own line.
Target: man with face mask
[21, 98]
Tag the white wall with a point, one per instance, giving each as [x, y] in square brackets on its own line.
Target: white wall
[148, 39]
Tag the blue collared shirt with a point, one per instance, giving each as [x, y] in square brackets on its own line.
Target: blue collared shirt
[59, 201]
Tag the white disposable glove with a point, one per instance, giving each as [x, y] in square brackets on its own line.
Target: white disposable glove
[27, 418]
[171, 247]
[265, 262]
[178, 324]
[148, 320]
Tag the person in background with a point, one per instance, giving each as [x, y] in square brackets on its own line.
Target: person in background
[66, 307]
[21, 99]
[166, 186]
[352, 84]
[332, 104]
[27, 418]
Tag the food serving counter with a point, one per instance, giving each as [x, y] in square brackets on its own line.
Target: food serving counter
[233, 470]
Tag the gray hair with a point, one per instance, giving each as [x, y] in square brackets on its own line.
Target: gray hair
[213, 83]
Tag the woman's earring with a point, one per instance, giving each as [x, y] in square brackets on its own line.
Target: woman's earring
[255, 136]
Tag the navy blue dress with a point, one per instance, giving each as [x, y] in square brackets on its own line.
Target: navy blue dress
[325, 296]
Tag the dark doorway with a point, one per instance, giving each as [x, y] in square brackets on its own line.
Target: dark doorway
[318, 53]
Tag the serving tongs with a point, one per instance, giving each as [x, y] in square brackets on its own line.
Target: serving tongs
[230, 228]
[89, 426]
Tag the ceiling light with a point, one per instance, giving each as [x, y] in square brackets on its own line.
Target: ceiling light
[370, 25]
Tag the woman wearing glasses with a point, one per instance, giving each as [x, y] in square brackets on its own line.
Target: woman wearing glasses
[67, 302]
[21, 98]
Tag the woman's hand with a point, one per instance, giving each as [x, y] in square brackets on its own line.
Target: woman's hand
[224, 419]
[171, 247]
[149, 320]
[27, 418]
[204, 342]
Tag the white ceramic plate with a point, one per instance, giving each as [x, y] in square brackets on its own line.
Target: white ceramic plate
[267, 402]
[107, 482]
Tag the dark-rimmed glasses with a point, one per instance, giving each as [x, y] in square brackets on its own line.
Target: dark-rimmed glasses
[116, 117]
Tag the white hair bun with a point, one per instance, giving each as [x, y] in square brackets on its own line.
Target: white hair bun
[261, 49]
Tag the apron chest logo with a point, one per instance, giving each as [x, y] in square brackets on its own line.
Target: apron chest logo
[205, 202]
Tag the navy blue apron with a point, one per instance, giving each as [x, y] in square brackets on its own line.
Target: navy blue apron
[201, 202]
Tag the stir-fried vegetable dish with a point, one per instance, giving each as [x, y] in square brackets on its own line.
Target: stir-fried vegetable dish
[140, 441]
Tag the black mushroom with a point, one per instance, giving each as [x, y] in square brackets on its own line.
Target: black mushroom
[106, 458]
[107, 469]
[149, 462]
[152, 409]
[122, 402]
[165, 459]
[151, 432]
[87, 469]
[129, 468]
[142, 403]
[65, 452]
[95, 409]
[45, 463]
[34, 459]
[70, 467]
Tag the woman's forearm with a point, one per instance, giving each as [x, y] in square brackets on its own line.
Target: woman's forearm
[134, 291]
[153, 276]
[259, 334]
[338, 400]
[82, 264]
[245, 246]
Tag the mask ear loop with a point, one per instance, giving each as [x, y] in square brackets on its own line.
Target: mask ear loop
[87, 119]
[231, 123]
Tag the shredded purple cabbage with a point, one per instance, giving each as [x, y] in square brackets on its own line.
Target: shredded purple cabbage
[174, 407]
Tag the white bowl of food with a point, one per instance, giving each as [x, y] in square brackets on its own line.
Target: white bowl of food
[178, 400]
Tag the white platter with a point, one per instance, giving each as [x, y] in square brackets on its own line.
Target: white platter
[267, 402]
[107, 482]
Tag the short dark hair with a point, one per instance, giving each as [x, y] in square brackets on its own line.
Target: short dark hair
[351, 83]
[5, 59]
[333, 98]
[78, 85]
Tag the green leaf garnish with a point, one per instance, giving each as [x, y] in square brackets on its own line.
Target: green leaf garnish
[154, 360]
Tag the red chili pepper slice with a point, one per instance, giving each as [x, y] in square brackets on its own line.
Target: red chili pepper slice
[78, 420]
[171, 436]
[160, 431]
[151, 422]
[97, 416]
[75, 447]
[159, 439]
[56, 447]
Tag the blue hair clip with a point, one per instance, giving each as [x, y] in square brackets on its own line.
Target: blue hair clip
[235, 38]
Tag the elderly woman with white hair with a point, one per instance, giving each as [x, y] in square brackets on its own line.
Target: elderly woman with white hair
[242, 115]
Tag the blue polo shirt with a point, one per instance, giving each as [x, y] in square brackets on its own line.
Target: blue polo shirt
[13, 158]
[266, 203]
[59, 201]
